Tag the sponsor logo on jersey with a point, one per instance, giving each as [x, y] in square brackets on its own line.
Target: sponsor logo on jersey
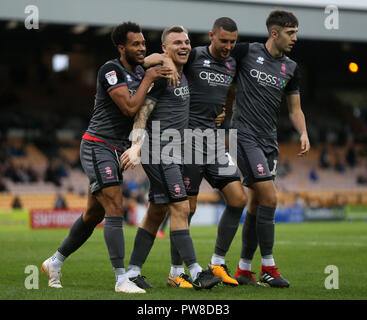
[111, 77]
[128, 78]
[267, 79]
[182, 92]
[216, 78]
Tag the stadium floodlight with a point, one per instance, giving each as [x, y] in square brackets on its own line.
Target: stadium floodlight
[60, 62]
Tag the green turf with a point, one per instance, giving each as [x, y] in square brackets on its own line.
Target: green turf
[302, 252]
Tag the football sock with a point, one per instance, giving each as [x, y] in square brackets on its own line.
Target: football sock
[227, 229]
[265, 228]
[78, 234]
[133, 271]
[175, 256]
[183, 242]
[57, 259]
[217, 260]
[114, 238]
[120, 274]
[249, 237]
[194, 269]
[268, 261]
[176, 271]
[142, 245]
[245, 264]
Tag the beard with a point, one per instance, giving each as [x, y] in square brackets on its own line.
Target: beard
[131, 60]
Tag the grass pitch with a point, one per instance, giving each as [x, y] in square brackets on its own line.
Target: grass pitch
[302, 252]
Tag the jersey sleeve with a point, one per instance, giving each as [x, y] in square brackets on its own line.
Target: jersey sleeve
[292, 86]
[111, 77]
[157, 89]
[240, 50]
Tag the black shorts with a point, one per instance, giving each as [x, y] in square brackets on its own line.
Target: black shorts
[254, 163]
[166, 183]
[101, 163]
[218, 175]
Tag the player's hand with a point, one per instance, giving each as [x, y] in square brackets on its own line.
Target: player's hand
[131, 157]
[220, 118]
[156, 73]
[305, 145]
[173, 80]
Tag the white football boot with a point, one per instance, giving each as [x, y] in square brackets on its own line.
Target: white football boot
[54, 274]
[128, 286]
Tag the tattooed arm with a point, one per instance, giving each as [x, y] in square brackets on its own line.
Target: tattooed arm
[131, 157]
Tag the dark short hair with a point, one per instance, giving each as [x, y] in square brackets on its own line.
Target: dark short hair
[226, 23]
[119, 33]
[167, 31]
[282, 19]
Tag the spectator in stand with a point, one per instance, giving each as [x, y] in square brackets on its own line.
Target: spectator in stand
[3, 187]
[16, 203]
[324, 157]
[351, 156]
[60, 202]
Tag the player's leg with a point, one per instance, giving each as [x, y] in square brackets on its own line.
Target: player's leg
[180, 236]
[144, 240]
[177, 276]
[192, 179]
[111, 200]
[244, 274]
[265, 229]
[79, 233]
[236, 199]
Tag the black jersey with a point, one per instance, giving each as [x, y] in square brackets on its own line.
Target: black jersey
[209, 81]
[171, 111]
[262, 80]
[108, 122]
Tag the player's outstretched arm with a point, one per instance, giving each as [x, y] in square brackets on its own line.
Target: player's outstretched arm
[299, 122]
[162, 59]
[129, 104]
[131, 157]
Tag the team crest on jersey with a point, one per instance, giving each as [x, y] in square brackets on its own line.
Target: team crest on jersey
[111, 77]
[282, 72]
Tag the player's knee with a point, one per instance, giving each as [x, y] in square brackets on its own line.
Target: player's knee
[92, 217]
[269, 200]
[115, 208]
[240, 201]
[155, 218]
[182, 210]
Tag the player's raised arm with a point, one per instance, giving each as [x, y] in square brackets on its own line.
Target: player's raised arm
[299, 122]
[129, 104]
[162, 59]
